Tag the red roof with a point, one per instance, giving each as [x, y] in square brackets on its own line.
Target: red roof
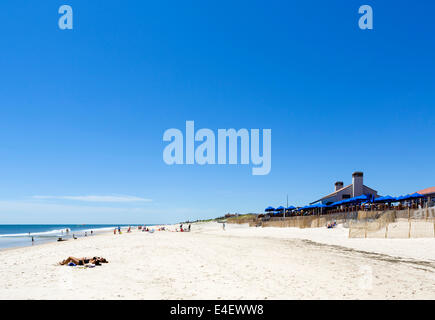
[427, 191]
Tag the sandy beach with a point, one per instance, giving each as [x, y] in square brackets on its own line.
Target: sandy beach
[238, 263]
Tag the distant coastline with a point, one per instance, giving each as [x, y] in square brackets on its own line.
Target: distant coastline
[20, 235]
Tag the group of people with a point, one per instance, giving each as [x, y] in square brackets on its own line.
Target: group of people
[144, 228]
[185, 229]
[331, 225]
[61, 238]
[118, 229]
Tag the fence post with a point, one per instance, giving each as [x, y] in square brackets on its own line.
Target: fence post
[409, 232]
[409, 221]
[365, 229]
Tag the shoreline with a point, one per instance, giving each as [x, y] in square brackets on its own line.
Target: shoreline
[52, 239]
[52, 242]
[96, 234]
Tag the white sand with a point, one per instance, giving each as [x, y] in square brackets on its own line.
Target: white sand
[239, 263]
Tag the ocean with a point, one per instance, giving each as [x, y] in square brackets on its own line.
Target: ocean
[21, 235]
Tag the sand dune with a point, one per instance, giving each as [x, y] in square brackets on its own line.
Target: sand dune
[239, 263]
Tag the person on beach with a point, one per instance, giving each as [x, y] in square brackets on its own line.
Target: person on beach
[33, 240]
[92, 232]
[223, 226]
[114, 231]
[189, 227]
[129, 229]
[83, 261]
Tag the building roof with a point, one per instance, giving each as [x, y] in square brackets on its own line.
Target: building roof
[342, 189]
[427, 191]
[372, 190]
[333, 194]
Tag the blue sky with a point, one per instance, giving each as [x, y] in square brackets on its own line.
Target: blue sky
[83, 111]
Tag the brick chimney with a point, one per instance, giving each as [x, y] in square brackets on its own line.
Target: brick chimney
[357, 181]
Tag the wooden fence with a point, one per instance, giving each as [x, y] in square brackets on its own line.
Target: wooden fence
[396, 224]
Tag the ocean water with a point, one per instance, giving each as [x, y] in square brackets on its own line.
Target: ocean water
[21, 235]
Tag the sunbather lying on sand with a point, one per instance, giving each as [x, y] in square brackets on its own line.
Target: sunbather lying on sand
[82, 261]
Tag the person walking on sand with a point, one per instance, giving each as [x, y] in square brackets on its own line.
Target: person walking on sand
[189, 227]
[223, 226]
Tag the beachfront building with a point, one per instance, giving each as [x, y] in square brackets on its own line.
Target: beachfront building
[341, 192]
[429, 194]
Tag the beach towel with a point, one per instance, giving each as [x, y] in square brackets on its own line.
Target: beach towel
[71, 264]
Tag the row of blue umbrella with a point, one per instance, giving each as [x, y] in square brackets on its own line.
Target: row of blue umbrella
[360, 199]
[279, 210]
[401, 198]
[371, 199]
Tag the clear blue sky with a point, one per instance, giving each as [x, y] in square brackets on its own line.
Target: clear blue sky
[82, 112]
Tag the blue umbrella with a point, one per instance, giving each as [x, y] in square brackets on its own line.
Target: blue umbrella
[313, 206]
[409, 197]
[291, 208]
[363, 197]
[403, 198]
[360, 198]
[268, 209]
[416, 196]
[281, 208]
[335, 204]
[385, 199]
